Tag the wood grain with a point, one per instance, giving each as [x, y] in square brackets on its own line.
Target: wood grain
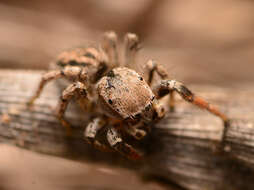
[182, 149]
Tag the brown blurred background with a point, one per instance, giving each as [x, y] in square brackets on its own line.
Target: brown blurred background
[200, 41]
[212, 40]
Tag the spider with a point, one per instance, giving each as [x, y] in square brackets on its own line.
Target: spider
[121, 99]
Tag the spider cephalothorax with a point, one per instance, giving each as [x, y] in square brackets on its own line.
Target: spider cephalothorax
[126, 95]
[117, 96]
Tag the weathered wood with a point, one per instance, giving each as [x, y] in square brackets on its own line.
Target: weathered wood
[182, 149]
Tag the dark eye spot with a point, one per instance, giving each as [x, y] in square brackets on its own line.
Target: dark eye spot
[152, 98]
[140, 78]
[110, 101]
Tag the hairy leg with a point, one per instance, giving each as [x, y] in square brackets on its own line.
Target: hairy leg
[109, 45]
[115, 141]
[75, 89]
[166, 86]
[169, 85]
[75, 73]
[131, 47]
[91, 131]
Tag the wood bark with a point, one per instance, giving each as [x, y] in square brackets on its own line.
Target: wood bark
[184, 149]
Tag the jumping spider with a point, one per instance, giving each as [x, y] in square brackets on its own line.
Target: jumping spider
[118, 96]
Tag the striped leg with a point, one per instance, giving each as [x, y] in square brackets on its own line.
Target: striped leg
[75, 73]
[166, 86]
[123, 148]
[77, 89]
[91, 131]
[171, 85]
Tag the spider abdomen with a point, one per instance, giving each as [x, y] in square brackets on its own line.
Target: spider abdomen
[92, 60]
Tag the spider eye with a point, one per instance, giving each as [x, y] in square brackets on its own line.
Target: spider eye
[110, 101]
[141, 78]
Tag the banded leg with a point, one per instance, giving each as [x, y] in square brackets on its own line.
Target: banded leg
[77, 89]
[109, 45]
[75, 73]
[166, 86]
[154, 67]
[91, 131]
[131, 47]
[115, 141]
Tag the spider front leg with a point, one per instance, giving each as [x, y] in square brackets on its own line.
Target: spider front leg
[75, 73]
[131, 47]
[152, 67]
[115, 141]
[166, 86]
[77, 89]
[91, 131]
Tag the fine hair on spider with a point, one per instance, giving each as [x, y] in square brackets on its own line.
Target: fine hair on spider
[120, 100]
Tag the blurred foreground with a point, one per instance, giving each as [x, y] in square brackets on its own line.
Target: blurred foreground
[22, 170]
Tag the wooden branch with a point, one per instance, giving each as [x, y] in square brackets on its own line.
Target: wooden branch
[182, 148]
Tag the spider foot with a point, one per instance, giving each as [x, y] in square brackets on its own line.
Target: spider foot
[30, 103]
[227, 125]
[223, 147]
